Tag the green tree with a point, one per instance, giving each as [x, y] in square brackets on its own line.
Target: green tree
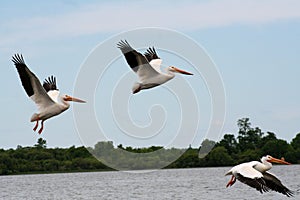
[206, 146]
[103, 149]
[248, 138]
[6, 164]
[244, 126]
[248, 155]
[41, 143]
[219, 157]
[188, 159]
[230, 143]
[293, 156]
[296, 142]
[277, 148]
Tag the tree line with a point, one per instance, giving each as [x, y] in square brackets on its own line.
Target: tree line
[250, 144]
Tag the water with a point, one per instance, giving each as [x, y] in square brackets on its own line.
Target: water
[200, 183]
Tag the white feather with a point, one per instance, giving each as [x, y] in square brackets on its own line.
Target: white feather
[146, 72]
[53, 94]
[156, 64]
[247, 170]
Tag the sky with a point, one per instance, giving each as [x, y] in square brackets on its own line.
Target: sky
[254, 45]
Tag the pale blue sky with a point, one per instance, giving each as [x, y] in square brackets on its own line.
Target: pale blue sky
[255, 45]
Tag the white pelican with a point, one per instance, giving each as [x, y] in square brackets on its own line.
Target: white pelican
[147, 67]
[255, 175]
[46, 97]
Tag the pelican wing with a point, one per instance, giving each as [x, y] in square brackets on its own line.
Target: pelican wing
[153, 59]
[250, 176]
[248, 170]
[257, 183]
[31, 84]
[51, 88]
[275, 184]
[50, 84]
[156, 63]
[53, 94]
[151, 54]
[137, 61]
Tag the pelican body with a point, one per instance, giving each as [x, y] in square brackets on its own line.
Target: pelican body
[147, 67]
[255, 175]
[46, 97]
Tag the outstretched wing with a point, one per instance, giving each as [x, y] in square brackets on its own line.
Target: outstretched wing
[153, 59]
[137, 61]
[50, 84]
[51, 88]
[275, 184]
[31, 83]
[151, 54]
[257, 183]
[250, 176]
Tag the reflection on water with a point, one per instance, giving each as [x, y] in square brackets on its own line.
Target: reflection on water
[199, 183]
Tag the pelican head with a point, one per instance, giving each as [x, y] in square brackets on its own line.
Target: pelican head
[270, 159]
[69, 98]
[176, 70]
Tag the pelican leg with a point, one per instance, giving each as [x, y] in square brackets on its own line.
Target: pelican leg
[231, 182]
[41, 129]
[36, 125]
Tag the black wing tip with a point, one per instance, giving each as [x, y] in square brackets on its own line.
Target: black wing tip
[273, 183]
[151, 54]
[122, 44]
[263, 185]
[288, 192]
[51, 79]
[258, 183]
[50, 83]
[18, 59]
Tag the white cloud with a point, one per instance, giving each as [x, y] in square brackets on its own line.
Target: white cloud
[179, 15]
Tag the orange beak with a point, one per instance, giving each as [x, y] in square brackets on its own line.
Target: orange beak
[69, 98]
[182, 71]
[275, 160]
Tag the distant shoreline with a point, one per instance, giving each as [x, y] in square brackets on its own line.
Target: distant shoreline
[251, 144]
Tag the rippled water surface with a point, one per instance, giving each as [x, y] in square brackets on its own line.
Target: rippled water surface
[200, 183]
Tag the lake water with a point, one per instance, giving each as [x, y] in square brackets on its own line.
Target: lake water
[199, 183]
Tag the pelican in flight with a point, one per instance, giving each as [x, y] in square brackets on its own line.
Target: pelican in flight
[255, 175]
[147, 67]
[46, 97]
